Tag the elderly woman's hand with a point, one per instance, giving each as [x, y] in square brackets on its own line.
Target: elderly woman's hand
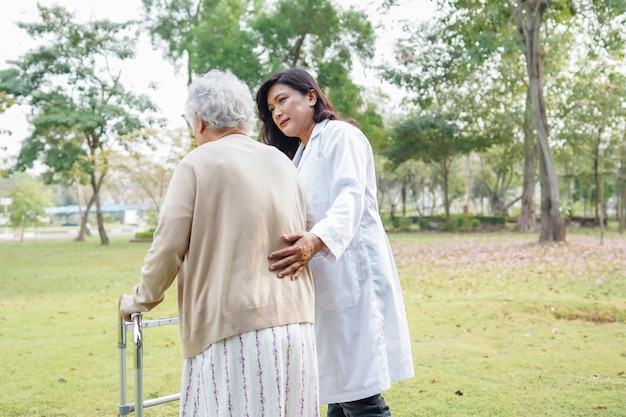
[128, 307]
[290, 261]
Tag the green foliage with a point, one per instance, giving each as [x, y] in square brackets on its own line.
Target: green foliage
[464, 222]
[79, 107]
[219, 40]
[427, 138]
[5, 102]
[493, 220]
[254, 38]
[321, 38]
[425, 223]
[372, 125]
[400, 222]
[459, 222]
[148, 234]
[315, 35]
[30, 197]
[170, 22]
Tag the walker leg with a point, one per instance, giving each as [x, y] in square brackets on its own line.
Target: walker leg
[138, 340]
[123, 409]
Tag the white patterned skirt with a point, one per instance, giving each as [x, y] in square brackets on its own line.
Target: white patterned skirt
[270, 372]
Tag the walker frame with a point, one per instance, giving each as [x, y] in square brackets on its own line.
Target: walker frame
[137, 325]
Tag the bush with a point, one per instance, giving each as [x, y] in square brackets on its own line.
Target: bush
[429, 222]
[423, 223]
[401, 223]
[145, 234]
[448, 226]
[464, 222]
[458, 222]
[493, 220]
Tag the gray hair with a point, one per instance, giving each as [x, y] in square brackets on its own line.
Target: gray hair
[222, 100]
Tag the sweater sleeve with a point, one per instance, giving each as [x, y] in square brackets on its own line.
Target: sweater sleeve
[171, 239]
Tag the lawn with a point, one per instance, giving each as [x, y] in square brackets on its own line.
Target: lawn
[500, 325]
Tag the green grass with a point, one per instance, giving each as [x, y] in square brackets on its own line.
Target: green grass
[501, 326]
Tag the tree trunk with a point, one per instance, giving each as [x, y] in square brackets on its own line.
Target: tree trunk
[416, 198]
[380, 192]
[83, 220]
[621, 212]
[600, 196]
[403, 194]
[96, 183]
[22, 226]
[598, 169]
[445, 166]
[526, 221]
[529, 18]
[104, 239]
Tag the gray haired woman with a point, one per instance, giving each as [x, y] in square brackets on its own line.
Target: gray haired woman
[247, 336]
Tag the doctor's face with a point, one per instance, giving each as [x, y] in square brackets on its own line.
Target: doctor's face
[292, 111]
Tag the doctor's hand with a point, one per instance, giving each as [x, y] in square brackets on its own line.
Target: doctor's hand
[290, 261]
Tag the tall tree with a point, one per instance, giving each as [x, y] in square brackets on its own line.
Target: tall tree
[483, 31]
[498, 176]
[488, 29]
[152, 170]
[171, 24]
[29, 199]
[529, 18]
[443, 91]
[429, 138]
[318, 36]
[526, 220]
[594, 122]
[254, 38]
[206, 34]
[80, 108]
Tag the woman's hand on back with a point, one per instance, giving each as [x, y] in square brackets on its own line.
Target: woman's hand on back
[290, 261]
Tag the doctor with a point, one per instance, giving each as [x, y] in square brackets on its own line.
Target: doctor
[362, 334]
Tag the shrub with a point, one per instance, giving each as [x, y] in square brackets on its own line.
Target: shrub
[401, 223]
[147, 234]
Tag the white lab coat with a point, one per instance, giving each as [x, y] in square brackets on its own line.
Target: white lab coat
[361, 327]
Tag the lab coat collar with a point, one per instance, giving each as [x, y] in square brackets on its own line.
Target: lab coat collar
[302, 152]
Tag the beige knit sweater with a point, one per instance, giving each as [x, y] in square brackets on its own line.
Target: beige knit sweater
[226, 207]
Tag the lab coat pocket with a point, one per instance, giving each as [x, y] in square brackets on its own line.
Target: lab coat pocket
[336, 284]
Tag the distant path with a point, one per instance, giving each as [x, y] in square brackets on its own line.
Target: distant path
[61, 234]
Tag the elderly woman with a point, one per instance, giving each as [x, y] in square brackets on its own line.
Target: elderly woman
[248, 337]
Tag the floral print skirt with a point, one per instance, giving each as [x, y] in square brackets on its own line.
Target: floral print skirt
[270, 372]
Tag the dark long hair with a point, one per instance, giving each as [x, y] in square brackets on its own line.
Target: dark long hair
[302, 81]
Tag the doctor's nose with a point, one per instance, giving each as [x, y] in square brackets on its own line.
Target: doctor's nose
[276, 112]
